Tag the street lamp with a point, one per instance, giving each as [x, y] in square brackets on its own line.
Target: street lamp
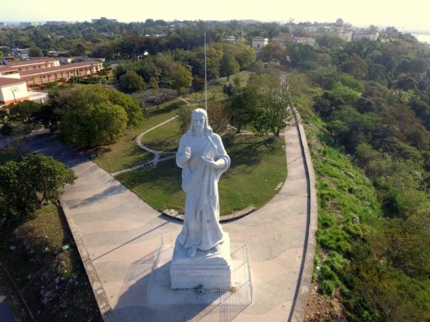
[14, 89]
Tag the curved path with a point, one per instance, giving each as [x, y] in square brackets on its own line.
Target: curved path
[156, 158]
[117, 235]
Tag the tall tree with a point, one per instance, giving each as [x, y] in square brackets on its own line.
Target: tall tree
[95, 115]
[228, 65]
[131, 82]
[27, 184]
[46, 176]
[273, 98]
[181, 76]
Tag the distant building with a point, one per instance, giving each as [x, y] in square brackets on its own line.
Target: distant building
[32, 64]
[279, 40]
[259, 43]
[54, 53]
[57, 23]
[29, 24]
[20, 52]
[230, 39]
[372, 36]
[339, 28]
[63, 72]
[341, 32]
[391, 31]
[303, 40]
[17, 77]
[103, 19]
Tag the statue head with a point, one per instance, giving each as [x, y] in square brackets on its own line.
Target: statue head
[197, 115]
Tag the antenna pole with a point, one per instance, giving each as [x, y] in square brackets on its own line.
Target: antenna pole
[206, 80]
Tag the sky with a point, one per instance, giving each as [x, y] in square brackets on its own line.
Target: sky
[411, 14]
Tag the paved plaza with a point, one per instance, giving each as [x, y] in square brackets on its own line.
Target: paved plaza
[119, 238]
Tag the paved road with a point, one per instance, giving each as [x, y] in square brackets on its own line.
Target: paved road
[118, 235]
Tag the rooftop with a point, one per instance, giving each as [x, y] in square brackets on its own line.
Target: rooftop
[10, 81]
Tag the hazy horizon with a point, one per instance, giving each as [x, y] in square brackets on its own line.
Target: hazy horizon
[367, 12]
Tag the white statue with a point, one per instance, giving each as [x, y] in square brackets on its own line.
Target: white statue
[203, 159]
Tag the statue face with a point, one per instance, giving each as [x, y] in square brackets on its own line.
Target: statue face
[198, 123]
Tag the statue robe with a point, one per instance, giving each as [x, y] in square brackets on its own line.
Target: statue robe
[200, 182]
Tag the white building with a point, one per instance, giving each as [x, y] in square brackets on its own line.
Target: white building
[259, 43]
[18, 77]
[303, 40]
[373, 36]
[13, 90]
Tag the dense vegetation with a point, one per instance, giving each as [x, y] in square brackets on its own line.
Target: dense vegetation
[369, 103]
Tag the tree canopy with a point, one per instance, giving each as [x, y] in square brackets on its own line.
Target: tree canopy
[26, 184]
[94, 115]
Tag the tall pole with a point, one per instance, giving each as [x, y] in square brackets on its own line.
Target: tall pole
[206, 80]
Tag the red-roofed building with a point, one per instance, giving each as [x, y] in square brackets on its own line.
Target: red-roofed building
[31, 64]
[64, 72]
[17, 77]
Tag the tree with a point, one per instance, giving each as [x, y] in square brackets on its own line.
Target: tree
[271, 101]
[244, 55]
[228, 65]
[35, 52]
[406, 82]
[301, 56]
[355, 66]
[184, 117]
[27, 184]
[228, 89]
[330, 41]
[131, 82]
[274, 51]
[93, 115]
[181, 76]
[17, 197]
[241, 109]
[218, 117]
[153, 82]
[23, 111]
[215, 90]
[97, 125]
[46, 176]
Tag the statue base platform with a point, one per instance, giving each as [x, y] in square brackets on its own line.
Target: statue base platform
[206, 270]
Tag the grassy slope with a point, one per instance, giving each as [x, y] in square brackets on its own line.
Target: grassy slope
[42, 260]
[347, 204]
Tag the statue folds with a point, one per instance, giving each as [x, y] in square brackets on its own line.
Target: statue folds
[203, 159]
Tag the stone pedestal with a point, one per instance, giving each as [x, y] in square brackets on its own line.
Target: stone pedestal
[206, 270]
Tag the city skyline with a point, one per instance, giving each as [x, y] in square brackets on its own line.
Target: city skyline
[363, 13]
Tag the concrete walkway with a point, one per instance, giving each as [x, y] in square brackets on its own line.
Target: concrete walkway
[118, 234]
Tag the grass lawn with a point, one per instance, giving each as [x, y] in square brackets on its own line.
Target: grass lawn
[42, 260]
[219, 96]
[255, 172]
[125, 153]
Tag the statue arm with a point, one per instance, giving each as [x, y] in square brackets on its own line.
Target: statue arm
[218, 164]
[222, 160]
[183, 155]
